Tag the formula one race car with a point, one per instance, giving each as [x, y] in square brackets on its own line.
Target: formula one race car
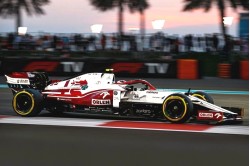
[100, 93]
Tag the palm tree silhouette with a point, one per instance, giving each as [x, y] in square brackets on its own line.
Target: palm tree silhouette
[140, 6]
[221, 5]
[10, 8]
[104, 5]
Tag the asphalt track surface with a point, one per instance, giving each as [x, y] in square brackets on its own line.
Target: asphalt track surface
[61, 145]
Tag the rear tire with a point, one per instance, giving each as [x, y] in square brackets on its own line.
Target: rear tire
[27, 102]
[177, 108]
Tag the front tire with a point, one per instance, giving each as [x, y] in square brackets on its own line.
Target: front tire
[203, 96]
[27, 102]
[177, 108]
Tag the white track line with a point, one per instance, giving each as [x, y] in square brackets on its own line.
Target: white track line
[241, 130]
[53, 121]
[73, 122]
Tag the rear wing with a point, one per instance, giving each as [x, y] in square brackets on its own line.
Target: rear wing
[27, 80]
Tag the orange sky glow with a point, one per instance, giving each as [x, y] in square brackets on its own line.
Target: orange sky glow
[76, 16]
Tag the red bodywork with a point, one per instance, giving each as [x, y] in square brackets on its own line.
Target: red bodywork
[100, 97]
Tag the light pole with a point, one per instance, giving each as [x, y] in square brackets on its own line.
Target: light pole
[158, 24]
[22, 31]
[96, 28]
[158, 41]
[227, 21]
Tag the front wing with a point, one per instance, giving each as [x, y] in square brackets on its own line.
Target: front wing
[205, 111]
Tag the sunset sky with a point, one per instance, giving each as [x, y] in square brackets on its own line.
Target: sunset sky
[76, 16]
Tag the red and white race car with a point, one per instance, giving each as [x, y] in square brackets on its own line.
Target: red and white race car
[100, 93]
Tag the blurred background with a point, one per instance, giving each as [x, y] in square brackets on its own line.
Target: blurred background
[128, 30]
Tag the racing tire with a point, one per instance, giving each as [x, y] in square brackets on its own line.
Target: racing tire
[177, 108]
[203, 96]
[27, 102]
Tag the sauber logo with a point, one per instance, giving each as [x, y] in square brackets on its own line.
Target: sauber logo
[207, 115]
[100, 102]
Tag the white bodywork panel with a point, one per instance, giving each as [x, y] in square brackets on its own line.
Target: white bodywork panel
[23, 81]
[203, 103]
[116, 99]
[94, 81]
[91, 81]
[157, 97]
[147, 96]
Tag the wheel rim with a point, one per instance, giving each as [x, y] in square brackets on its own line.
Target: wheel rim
[200, 97]
[23, 103]
[175, 109]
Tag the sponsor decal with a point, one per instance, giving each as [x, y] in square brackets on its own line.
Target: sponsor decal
[136, 97]
[60, 99]
[153, 92]
[81, 82]
[72, 66]
[208, 115]
[152, 68]
[127, 67]
[17, 81]
[84, 87]
[143, 111]
[100, 102]
[160, 68]
[41, 66]
[104, 94]
[217, 115]
[22, 81]
[50, 66]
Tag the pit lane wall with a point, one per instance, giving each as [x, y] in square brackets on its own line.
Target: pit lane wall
[173, 68]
